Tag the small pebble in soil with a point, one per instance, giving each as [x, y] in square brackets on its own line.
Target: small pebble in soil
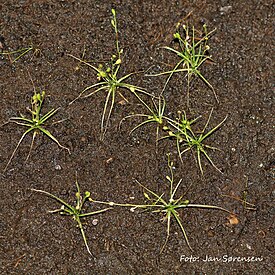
[225, 9]
[109, 160]
[57, 167]
[94, 222]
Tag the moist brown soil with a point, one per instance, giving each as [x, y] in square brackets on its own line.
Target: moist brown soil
[33, 241]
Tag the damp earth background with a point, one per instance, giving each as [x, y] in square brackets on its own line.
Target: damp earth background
[33, 241]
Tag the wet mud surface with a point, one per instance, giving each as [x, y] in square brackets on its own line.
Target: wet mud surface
[33, 241]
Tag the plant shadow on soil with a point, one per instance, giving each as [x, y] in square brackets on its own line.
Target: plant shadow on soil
[36, 242]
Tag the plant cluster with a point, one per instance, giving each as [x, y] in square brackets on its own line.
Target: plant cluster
[193, 53]
[74, 211]
[109, 81]
[181, 131]
[169, 207]
[35, 124]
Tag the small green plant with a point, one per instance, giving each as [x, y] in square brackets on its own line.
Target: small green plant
[156, 114]
[35, 124]
[18, 53]
[109, 81]
[186, 138]
[181, 127]
[74, 211]
[167, 207]
[193, 52]
[243, 199]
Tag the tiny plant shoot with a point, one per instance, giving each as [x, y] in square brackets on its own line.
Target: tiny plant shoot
[155, 114]
[74, 211]
[243, 199]
[108, 80]
[17, 54]
[167, 207]
[35, 124]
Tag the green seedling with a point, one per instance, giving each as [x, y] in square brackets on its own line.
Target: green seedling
[193, 52]
[18, 53]
[74, 211]
[185, 137]
[109, 81]
[182, 130]
[197, 143]
[35, 124]
[243, 199]
[167, 207]
[156, 114]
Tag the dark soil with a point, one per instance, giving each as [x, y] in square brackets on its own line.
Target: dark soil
[34, 241]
